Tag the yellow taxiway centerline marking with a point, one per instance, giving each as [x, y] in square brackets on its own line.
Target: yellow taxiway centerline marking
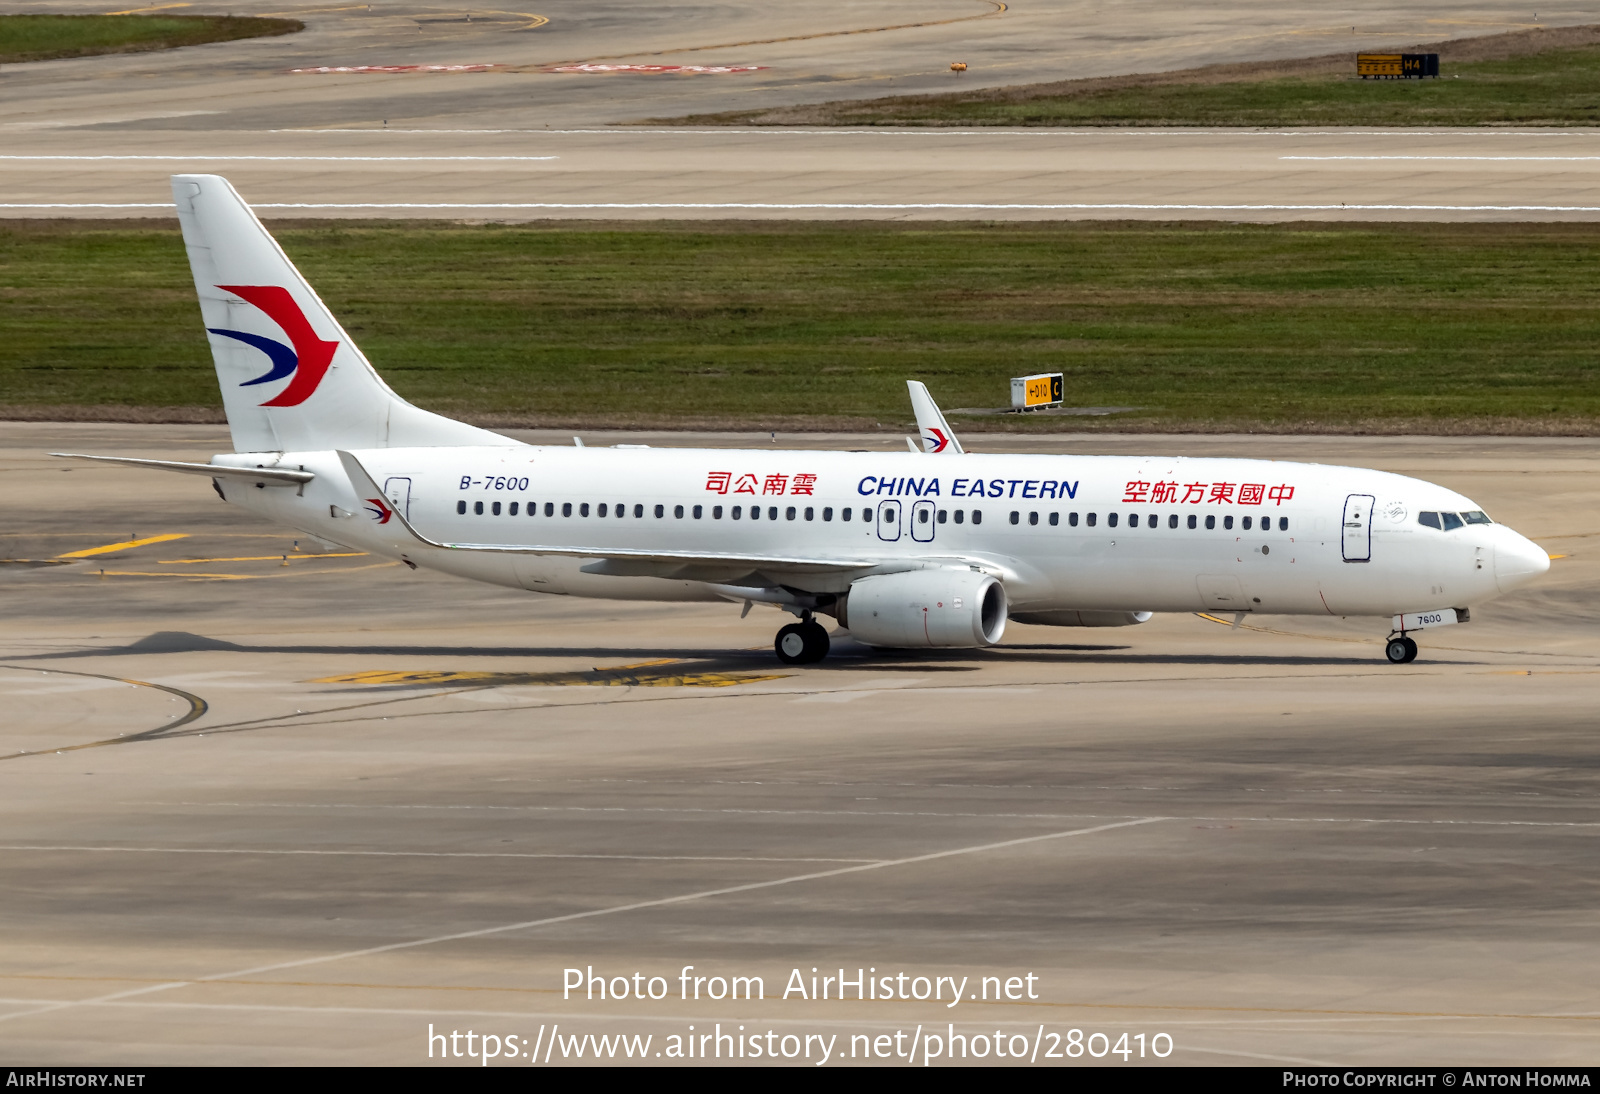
[125, 545]
[257, 558]
[152, 7]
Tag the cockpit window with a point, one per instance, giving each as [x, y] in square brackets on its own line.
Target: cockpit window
[1429, 520]
[1477, 516]
[1451, 521]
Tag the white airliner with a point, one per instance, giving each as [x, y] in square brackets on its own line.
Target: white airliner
[931, 548]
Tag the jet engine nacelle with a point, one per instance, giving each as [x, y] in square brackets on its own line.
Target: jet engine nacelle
[1081, 619]
[959, 609]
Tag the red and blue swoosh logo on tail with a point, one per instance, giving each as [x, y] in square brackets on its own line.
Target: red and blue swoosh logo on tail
[306, 360]
[936, 438]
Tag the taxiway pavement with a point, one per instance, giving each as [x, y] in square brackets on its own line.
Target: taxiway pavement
[99, 136]
[264, 806]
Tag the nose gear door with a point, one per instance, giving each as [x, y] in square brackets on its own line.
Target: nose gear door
[922, 523]
[889, 520]
[1357, 538]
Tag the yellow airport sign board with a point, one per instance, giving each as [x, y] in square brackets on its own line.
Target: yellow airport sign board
[1033, 392]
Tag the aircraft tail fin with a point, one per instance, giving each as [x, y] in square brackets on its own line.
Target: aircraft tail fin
[937, 437]
[292, 379]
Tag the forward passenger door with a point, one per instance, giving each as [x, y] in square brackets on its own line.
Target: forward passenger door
[1357, 538]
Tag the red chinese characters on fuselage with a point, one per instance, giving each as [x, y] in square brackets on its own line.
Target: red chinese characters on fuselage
[1210, 493]
[728, 482]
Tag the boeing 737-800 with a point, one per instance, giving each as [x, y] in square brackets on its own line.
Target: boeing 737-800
[929, 548]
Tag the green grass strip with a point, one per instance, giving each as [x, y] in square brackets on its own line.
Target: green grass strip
[48, 37]
[1522, 78]
[1391, 328]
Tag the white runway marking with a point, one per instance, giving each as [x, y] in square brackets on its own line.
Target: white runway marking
[416, 854]
[1468, 159]
[623, 809]
[885, 207]
[290, 159]
[594, 913]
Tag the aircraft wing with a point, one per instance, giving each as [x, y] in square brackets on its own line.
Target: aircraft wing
[627, 562]
[937, 437]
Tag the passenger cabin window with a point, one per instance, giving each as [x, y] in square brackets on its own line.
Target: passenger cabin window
[944, 516]
[513, 509]
[1211, 521]
[1014, 516]
[677, 512]
[1072, 519]
[1090, 519]
[583, 509]
[698, 509]
[1055, 519]
[638, 510]
[844, 514]
[755, 512]
[737, 509]
[494, 508]
[1133, 520]
[1283, 524]
[1111, 520]
[477, 507]
[961, 515]
[716, 512]
[810, 513]
[1451, 521]
[1153, 520]
[1428, 520]
[977, 516]
[922, 516]
[461, 507]
[533, 508]
[772, 512]
[788, 514]
[827, 512]
[1227, 522]
[1246, 524]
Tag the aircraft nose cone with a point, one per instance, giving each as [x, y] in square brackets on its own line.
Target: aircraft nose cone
[1518, 562]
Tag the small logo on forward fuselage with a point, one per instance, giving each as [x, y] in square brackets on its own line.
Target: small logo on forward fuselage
[305, 361]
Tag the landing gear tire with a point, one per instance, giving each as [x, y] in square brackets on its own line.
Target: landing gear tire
[1401, 651]
[802, 643]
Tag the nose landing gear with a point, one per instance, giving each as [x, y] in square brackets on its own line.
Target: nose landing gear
[1401, 650]
[803, 643]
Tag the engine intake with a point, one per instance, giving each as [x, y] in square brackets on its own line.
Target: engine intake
[958, 609]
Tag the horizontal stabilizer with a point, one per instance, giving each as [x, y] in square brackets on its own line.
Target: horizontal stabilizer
[272, 476]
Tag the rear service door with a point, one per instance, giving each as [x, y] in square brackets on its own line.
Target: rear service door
[1358, 528]
[398, 491]
[889, 520]
[922, 523]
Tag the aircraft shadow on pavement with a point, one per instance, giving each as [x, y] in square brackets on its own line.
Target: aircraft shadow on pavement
[848, 655]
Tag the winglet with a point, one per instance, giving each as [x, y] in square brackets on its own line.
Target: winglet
[936, 433]
[373, 500]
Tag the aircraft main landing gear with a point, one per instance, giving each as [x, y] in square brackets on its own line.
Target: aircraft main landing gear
[1401, 650]
[802, 643]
